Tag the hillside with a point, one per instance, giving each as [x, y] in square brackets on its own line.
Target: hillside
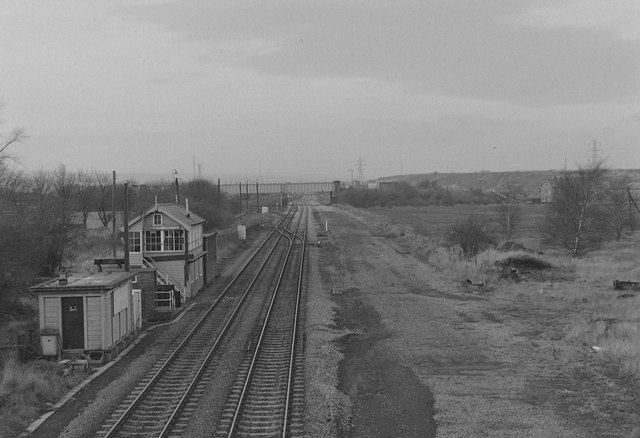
[529, 181]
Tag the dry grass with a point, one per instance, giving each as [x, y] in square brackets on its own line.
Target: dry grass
[28, 389]
[607, 319]
[89, 245]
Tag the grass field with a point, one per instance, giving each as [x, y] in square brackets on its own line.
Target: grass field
[606, 319]
[434, 221]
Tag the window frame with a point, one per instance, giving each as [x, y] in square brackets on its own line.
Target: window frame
[135, 241]
[153, 240]
[168, 240]
[173, 240]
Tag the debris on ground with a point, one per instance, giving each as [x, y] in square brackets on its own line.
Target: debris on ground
[522, 267]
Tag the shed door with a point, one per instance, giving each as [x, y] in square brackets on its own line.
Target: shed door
[72, 323]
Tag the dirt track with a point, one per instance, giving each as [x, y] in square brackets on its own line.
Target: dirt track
[400, 350]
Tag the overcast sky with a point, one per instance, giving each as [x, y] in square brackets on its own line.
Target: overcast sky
[307, 87]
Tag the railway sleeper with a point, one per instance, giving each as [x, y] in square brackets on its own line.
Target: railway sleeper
[257, 430]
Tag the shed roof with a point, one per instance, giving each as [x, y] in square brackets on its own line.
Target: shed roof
[177, 212]
[92, 282]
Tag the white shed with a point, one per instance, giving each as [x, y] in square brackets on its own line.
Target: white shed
[93, 316]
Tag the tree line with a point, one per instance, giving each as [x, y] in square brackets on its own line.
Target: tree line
[403, 194]
[44, 212]
[588, 207]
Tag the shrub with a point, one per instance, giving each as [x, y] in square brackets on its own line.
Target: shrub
[522, 266]
[512, 246]
[471, 235]
[524, 262]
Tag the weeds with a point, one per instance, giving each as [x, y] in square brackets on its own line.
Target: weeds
[27, 389]
[601, 320]
[90, 244]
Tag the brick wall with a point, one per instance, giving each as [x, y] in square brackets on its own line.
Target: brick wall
[146, 281]
[211, 258]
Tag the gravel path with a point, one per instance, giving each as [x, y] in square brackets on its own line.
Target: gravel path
[404, 351]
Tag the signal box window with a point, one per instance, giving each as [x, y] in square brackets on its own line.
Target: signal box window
[153, 240]
[173, 240]
[157, 219]
[134, 241]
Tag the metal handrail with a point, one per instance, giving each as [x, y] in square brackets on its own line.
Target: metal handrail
[165, 277]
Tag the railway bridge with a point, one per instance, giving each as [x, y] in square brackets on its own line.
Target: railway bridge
[287, 187]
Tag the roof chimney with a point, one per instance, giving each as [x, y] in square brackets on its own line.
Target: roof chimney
[186, 201]
[62, 278]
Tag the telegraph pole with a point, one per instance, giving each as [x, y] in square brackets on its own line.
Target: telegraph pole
[240, 197]
[175, 174]
[360, 170]
[126, 226]
[113, 210]
[246, 202]
[257, 198]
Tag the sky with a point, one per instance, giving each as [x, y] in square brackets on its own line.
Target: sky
[301, 90]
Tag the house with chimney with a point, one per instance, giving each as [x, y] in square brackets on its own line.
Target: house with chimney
[548, 190]
[170, 238]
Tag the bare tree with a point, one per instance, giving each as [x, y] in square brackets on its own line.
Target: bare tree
[632, 202]
[617, 206]
[15, 136]
[105, 187]
[42, 185]
[85, 193]
[45, 221]
[574, 220]
[65, 185]
[16, 187]
[509, 211]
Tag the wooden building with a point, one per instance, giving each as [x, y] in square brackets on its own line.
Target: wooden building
[92, 317]
[170, 238]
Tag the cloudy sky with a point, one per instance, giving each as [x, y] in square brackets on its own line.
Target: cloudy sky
[306, 88]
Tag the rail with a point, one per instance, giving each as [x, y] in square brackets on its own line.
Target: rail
[267, 321]
[295, 332]
[132, 406]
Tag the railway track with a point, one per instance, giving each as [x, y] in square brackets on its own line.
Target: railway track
[268, 396]
[163, 402]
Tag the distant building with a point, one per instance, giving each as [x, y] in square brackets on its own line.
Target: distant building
[547, 191]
